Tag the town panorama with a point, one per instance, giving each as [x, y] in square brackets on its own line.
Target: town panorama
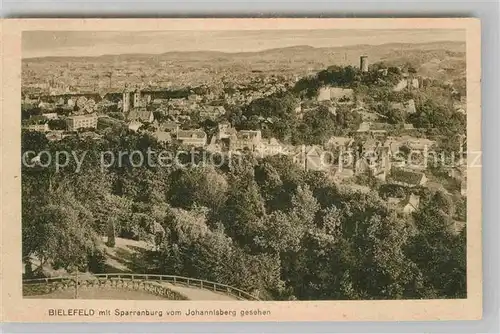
[294, 173]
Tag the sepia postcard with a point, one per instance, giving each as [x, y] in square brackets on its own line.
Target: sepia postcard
[180, 170]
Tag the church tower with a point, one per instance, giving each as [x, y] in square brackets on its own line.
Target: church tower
[126, 100]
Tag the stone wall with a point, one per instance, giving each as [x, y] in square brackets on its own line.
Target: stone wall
[152, 287]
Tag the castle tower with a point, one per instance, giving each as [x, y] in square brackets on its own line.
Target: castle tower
[363, 63]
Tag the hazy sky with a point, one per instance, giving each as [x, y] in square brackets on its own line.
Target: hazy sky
[85, 43]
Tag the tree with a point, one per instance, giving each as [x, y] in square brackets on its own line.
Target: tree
[111, 233]
[439, 253]
[320, 125]
[304, 205]
[269, 180]
[279, 233]
[57, 124]
[204, 186]
[348, 119]
[61, 234]
[244, 207]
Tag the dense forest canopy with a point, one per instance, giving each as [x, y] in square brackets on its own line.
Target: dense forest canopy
[258, 224]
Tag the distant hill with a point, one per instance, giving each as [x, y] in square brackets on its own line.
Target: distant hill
[376, 52]
[443, 60]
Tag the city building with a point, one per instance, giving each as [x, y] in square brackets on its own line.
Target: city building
[37, 127]
[335, 93]
[196, 138]
[141, 115]
[269, 147]
[81, 121]
[133, 99]
[50, 115]
[170, 126]
[245, 140]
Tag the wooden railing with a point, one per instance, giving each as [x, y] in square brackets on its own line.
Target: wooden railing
[173, 279]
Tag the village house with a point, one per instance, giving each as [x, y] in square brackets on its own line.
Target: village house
[339, 142]
[224, 130]
[407, 82]
[269, 147]
[54, 135]
[375, 160]
[312, 158]
[212, 112]
[374, 128]
[407, 178]
[50, 115]
[410, 107]
[411, 204]
[170, 126]
[408, 126]
[413, 143]
[162, 136]
[215, 145]
[90, 135]
[46, 105]
[364, 127]
[81, 101]
[60, 102]
[405, 108]
[103, 105]
[71, 102]
[134, 125]
[407, 205]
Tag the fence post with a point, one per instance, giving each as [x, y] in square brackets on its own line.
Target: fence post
[215, 287]
[201, 284]
[188, 281]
